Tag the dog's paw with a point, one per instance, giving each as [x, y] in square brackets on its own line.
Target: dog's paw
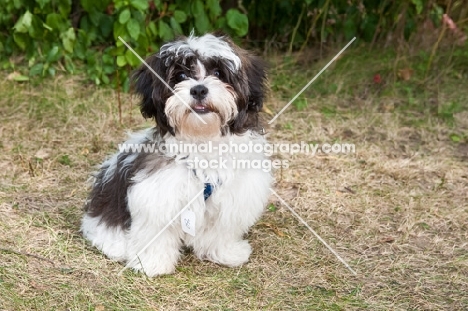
[152, 268]
[232, 254]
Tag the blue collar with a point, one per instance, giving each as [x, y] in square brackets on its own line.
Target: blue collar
[208, 191]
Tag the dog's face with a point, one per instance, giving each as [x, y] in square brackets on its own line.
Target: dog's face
[218, 88]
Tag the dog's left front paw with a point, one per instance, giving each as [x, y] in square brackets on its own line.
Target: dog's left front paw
[231, 255]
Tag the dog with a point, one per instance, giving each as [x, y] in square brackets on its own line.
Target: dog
[201, 91]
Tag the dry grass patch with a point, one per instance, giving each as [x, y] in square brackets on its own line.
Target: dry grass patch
[395, 210]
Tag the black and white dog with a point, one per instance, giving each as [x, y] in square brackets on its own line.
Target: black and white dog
[213, 92]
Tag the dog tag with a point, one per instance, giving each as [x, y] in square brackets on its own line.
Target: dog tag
[188, 222]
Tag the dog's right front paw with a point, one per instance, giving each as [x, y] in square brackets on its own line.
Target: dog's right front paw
[232, 255]
[152, 267]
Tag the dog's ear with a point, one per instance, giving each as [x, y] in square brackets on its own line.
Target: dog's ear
[143, 83]
[253, 85]
[152, 91]
[257, 76]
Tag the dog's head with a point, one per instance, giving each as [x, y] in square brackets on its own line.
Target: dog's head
[211, 88]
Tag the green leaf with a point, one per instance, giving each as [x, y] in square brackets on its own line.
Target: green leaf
[126, 85]
[81, 45]
[176, 26]
[119, 31]
[53, 54]
[56, 21]
[202, 23]
[36, 30]
[69, 65]
[20, 78]
[197, 8]
[221, 24]
[107, 58]
[237, 21]
[36, 69]
[139, 4]
[68, 39]
[108, 69]
[95, 17]
[143, 43]
[64, 7]
[165, 32]
[106, 25]
[91, 57]
[87, 5]
[152, 28]
[215, 9]
[21, 40]
[24, 23]
[419, 5]
[180, 16]
[124, 16]
[133, 29]
[131, 58]
[121, 61]
[120, 50]
[51, 71]
[94, 5]
[42, 3]
[105, 79]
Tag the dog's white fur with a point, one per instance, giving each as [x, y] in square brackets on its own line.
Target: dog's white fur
[163, 185]
[236, 203]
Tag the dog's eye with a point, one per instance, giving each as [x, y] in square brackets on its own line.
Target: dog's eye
[181, 77]
[217, 73]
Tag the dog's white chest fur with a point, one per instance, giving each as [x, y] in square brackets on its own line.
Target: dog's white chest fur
[163, 186]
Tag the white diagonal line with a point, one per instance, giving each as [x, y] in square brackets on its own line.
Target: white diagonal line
[315, 233]
[160, 232]
[162, 80]
[310, 82]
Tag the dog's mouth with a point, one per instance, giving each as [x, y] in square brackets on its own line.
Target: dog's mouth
[201, 109]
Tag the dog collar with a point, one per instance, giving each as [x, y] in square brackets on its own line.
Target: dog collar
[208, 191]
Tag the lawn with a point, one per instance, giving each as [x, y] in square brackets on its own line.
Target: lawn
[396, 210]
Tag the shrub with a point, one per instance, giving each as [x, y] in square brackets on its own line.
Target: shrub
[82, 35]
[59, 34]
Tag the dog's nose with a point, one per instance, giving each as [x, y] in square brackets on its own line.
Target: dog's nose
[199, 92]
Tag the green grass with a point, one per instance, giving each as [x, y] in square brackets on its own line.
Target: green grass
[429, 90]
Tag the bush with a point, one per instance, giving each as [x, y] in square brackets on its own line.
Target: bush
[55, 34]
[297, 23]
[82, 35]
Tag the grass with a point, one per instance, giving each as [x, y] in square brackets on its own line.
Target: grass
[395, 210]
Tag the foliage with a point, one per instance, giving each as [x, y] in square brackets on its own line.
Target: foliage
[297, 23]
[83, 35]
[59, 34]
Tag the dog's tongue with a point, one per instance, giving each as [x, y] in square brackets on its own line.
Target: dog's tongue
[200, 109]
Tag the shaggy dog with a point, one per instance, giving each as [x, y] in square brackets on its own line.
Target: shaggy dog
[157, 195]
